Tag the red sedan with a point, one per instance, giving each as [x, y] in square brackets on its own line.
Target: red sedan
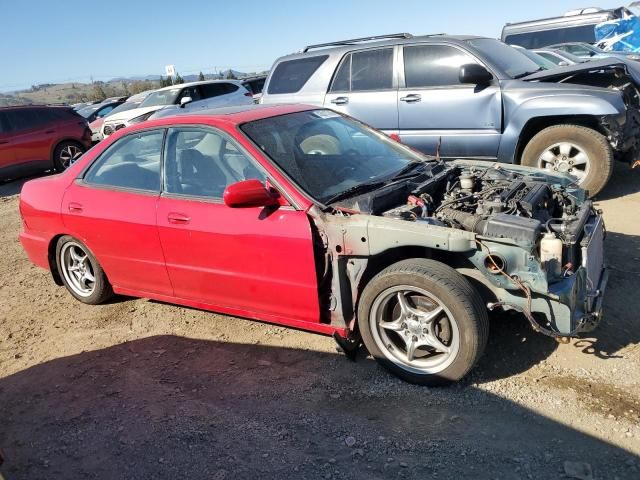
[291, 215]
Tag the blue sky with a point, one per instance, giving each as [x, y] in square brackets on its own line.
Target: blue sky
[46, 41]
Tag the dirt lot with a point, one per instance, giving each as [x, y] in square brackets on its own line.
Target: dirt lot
[139, 389]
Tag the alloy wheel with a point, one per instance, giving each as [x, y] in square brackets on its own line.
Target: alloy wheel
[77, 269]
[69, 154]
[566, 157]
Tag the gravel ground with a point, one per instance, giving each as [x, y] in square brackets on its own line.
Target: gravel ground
[143, 390]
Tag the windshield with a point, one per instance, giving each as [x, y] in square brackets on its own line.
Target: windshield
[87, 111]
[513, 63]
[123, 107]
[161, 97]
[327, 154]
[541, 61]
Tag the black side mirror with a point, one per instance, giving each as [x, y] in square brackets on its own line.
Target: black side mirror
[475, 74]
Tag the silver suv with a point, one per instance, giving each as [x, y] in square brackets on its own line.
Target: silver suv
[484, 99]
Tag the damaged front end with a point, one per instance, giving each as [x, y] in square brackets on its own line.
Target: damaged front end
[529, 241]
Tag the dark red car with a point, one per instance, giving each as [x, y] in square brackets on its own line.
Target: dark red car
[307, 218]
[36, 138]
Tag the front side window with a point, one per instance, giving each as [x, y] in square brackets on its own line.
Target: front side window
[512, 62]
[327, 154]
[433, 65]
[291, 75]
[161, 97]
[131, 162]
[202, 163]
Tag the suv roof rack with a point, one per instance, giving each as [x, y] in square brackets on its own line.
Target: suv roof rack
[357, 40]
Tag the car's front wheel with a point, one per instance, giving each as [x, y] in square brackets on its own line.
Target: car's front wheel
[574, 149]
[81, 273]
[423, 321]
[65, 154]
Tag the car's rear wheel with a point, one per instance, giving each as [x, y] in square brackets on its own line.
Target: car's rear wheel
[81, 273]
[423, 321]
[65, 154]
[574, 149]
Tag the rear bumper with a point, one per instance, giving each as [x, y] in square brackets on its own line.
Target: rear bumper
[37, 248]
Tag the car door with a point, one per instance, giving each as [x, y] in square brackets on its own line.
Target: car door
[433, 104]
[365, 88]
[31, 135]
[112, 209]
[6, 147]
[253, 261]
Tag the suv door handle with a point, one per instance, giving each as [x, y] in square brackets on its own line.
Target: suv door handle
[178, 218]
[340, 100]
[75, 207]
[413, 97]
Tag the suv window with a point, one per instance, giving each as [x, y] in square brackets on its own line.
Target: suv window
[542, 38]
[4, 126]
[131, 162]
[21, 120]
[365, 71]
[433, 65]
[202, 162]
[291, 75]
[210, 90]
[192, 92]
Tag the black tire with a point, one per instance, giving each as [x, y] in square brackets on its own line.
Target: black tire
[593, 143]
[66, 153]
[456, 296]
[100, 289]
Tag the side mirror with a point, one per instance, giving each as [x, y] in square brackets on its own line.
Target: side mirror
[185, 100]
[474, 73]
[250, 193]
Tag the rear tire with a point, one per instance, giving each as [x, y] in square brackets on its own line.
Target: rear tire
[577, 150]
[81, 273]
[65, 154]
[423, 321]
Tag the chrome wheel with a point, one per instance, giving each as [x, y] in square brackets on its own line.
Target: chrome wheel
[566, 157]
[414, 329]
[69, 154]
[77, 269]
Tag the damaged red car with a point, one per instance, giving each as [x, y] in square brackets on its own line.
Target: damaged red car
[304, 217]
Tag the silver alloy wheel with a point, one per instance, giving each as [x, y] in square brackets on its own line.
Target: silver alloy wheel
[77, 269]
[69, 154]
[414, 329]
[566, 157]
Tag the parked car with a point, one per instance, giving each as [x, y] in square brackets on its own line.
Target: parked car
[559, 57]
[132, 102]
[591, 52]
[477, 97]
[36, 137]
[539, 60]
[95, 113]
[574, 26]
[205, 94]
[254, 85]
[306, 218]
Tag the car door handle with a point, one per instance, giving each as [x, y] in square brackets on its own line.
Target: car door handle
[75, 207]
[178, 218]
[411, 98]
[340, 100]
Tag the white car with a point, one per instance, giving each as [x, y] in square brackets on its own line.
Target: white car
[206, 94]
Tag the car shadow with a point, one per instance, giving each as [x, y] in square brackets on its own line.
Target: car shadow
[13, 187]
[175, 407]
[624, 181]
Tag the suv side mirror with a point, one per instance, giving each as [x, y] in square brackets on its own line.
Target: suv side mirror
[250, 193]
[474, 73]
[185, 100]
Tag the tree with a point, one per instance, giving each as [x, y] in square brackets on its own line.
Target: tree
[98, 92]
[201, 76]
[230, 75]
[178, 80]
[125, 88]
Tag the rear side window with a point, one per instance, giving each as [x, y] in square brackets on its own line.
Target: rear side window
[210, 90]
[4, 127]
[133, 162]
[433, 65]
[291, 75]
[25, 119]
[365, 71]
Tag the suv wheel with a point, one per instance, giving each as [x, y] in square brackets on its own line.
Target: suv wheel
[579, 151]
[423, 321]
[66, 154]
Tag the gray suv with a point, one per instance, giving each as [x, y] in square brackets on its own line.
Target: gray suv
[481, 97]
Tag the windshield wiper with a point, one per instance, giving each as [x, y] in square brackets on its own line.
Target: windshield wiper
[520, 75]
[409, 167]
[355, 190]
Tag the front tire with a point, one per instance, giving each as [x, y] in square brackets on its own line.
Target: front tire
[423, 321]
[577, 150]
[81, 273]
[65, 154]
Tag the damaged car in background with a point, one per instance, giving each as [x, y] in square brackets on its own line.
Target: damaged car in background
[484, 99]
[304, 217]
